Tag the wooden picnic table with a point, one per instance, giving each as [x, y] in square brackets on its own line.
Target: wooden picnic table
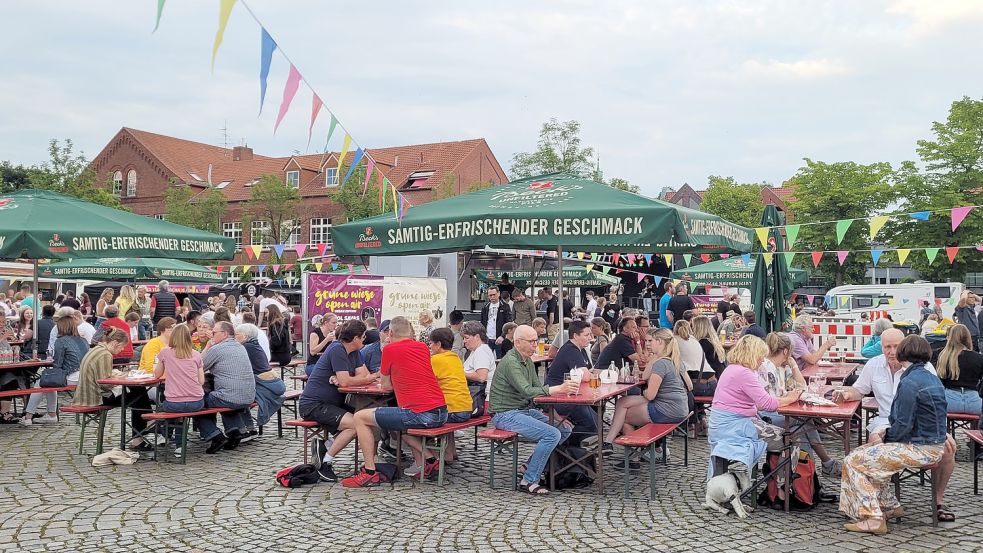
[596, 399]
[294, 363]
[824, 417]
[126, 382]
[834, 371]
[32, 364]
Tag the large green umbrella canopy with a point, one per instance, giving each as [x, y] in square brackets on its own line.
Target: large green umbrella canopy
[40, 224]
[734, 272]
[136, 269]
[547, 212]
[772, 285]
[572, 276]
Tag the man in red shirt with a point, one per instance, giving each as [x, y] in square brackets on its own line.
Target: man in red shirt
[112, 319]
[407, 371]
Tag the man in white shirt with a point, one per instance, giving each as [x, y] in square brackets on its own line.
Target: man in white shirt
[591, 305]
[86, 331]
[881, 376]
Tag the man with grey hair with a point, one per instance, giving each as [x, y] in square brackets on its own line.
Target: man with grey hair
[513, 389]
[680, 303]
[269, 386]
[804, 352]
[228, 362]
[164, 303]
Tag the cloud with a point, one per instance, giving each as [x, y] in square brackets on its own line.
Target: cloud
[935, 15]
[799, 69]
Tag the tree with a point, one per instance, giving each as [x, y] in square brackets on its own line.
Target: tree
[204, 210]
[69, 173]
[954, 177]
[733, 201]
[14, 177]
[836, 191]
[559, 150]
[356, 204]
[278, 206]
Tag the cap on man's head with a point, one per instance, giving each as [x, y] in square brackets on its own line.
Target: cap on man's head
[384, 327]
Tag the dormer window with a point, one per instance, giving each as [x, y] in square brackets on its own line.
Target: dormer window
[293, 179]
[331, 176]
[418, 180]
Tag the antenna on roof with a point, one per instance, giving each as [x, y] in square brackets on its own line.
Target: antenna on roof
[225, 134]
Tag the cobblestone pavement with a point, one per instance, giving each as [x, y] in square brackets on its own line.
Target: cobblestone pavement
[53, 500]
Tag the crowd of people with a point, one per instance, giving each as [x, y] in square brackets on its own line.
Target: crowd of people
[221, 357]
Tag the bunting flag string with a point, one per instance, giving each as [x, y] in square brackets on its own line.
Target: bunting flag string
[351, 168]
[876, 224]
[369, 167]
[841, 228]
[791, 234]
[160, 10]
[224, 11]
[316, 105]
[289, 91]
[266, 48]
[958, 214]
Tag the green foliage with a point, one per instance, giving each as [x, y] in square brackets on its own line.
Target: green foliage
[480, 185]
[834, 191]
[560, 149]
[446, 188]
[733, 201]
[357, 205]
[954, 177]
[66, 172]
[185, 206]
[276, 204]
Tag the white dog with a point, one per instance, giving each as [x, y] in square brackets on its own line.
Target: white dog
[727, 488]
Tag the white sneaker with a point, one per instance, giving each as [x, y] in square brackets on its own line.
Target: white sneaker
[177, 452]
[412, 471]
[26, 420]
[46, 419]
[833, 469]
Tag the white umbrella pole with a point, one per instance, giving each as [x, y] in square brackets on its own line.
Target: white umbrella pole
[559, 282]
[37, 310]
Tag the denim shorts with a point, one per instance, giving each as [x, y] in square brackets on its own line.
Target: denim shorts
[460, 416]
[963, 400]
[657, 417]
[399, 419]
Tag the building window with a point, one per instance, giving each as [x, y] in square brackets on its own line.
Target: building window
[320, 231]
[290, 233]
[293, 179]
[331, 176]
[234, 278]
[131, 183]
[418, 180]
[117, 183]
[433, 266]
[233, 230]
[160, 217]
[259, 234]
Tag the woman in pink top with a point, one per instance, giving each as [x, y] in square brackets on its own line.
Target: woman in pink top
[185, 374]
[736, 432]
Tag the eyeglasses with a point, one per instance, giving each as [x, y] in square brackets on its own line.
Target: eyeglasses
[528, 340]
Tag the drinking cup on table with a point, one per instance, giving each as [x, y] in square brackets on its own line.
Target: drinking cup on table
[595, 378]
[815, 384]
[567, 381]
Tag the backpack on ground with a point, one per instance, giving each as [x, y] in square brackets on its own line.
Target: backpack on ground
[805, 484]
[388, 471]
[573, 477]
[297, 476]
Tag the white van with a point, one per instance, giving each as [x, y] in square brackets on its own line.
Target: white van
[902, 301]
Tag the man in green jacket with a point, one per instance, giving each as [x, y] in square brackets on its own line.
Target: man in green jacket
[515, 385]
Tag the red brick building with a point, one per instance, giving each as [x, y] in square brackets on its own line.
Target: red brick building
[686, 196]
[142, 165]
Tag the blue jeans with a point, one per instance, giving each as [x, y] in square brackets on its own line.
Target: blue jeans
[180, 407]
[144, 329]
[232, 421]
[963, 400]
[401, 420]
[533, 425]
[582, 418]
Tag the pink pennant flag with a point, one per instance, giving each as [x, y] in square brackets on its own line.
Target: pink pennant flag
[705, 257]
[320, 249]
[249, 252]
[841, 256]
[631, 259]
[276, 269]
[618, 271]
[351, 269]
[289, 90]
[315, 109]
[300, 249]
[958, 214]
[641, 277]
[724, 255]
[615, 258]
[368, 174]
[810, 297]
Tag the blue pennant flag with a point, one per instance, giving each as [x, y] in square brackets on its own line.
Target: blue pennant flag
[920, 216]
[265, 57]
[262, 269]
[876, 255]
[351, 168]
[278, 248]
[747, 259]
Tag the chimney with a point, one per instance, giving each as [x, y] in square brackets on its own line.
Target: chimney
[242, 153]
[396, 163]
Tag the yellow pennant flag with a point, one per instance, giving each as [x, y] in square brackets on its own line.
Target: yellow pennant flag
[590, 267]
[344, 150]
[580, 255]
[762, 233]
[245, 268]
[668, 258]
[767, 257]
[903, 255]
[876, 223]
[318, 266]
[256, 251]
[224, 11]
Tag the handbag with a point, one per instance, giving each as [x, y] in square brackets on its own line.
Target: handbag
[478, 399]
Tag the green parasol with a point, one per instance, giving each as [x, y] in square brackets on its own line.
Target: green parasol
[40, 224]
[734, 272]
[772, 285]
[547, 212]
[133, 269]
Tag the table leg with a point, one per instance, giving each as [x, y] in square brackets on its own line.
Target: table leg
[788, 467]
[599, 454]
[847, 424]
[122, 421]
[552, 466]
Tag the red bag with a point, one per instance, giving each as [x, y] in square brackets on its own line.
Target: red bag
[805, 483]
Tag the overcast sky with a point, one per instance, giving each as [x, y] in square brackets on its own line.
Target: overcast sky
[667, 92]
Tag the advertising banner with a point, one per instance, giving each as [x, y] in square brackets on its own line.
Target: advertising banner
[363, 296]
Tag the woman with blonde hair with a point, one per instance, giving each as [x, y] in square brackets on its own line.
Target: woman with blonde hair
[602, 336]
[961, 369]
[664, 400]
[426, 326]
[736, 432]
[230, 304]
[105, 298]
[127, 297]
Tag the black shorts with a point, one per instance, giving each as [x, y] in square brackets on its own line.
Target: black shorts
[327, 415]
